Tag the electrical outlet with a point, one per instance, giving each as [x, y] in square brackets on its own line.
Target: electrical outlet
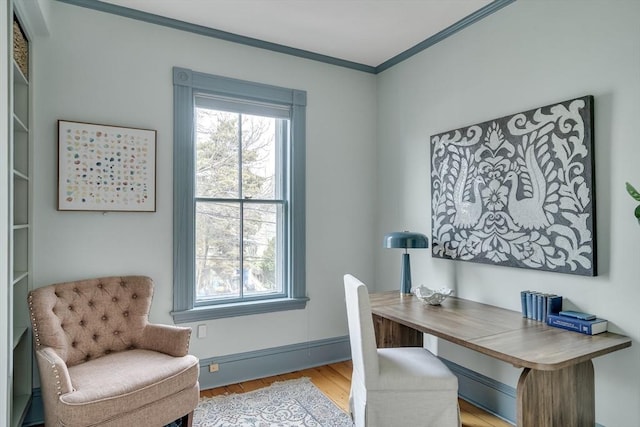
[202, 331]
[213, 367]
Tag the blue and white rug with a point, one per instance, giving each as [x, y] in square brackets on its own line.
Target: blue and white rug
[293, 403]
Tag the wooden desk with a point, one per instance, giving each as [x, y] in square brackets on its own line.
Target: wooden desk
[556, 387]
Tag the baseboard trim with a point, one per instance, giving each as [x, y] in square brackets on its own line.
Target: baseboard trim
[486, 393]
[251, 365]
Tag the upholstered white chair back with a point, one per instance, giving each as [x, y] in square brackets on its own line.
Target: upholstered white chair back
[361, 333]
[394, 387]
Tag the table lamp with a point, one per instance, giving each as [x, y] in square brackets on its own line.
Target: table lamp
[405, 240]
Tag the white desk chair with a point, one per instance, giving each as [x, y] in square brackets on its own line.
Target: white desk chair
[394, 387]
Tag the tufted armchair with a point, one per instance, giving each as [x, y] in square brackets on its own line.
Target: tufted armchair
[102, 363]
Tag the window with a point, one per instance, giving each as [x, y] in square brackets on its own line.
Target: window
[239, 153]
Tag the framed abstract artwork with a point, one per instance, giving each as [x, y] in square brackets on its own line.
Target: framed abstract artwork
[518, 191]
[106, 168]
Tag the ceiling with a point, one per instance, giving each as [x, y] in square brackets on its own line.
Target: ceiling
[368, 32]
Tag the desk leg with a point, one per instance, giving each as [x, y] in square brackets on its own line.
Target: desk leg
[565, 397]
[392, 334]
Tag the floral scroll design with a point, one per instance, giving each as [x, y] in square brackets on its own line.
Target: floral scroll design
[518, 190]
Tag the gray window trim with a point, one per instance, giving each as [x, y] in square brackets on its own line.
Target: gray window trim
[186, 83]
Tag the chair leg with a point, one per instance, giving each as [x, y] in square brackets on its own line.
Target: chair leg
[187, 420]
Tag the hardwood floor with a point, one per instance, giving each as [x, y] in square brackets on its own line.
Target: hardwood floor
[335, 380]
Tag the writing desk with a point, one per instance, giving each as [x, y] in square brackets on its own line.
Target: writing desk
[556, 387]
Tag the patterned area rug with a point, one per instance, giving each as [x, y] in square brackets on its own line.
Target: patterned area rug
[283, 404]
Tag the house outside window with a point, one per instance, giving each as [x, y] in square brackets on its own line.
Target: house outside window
[239, 153]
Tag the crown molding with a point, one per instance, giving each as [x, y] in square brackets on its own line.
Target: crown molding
[287, 50]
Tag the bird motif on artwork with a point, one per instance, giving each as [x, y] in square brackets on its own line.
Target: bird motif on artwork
[467, 213]
[528, 212]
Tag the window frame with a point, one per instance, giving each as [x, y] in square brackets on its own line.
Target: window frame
[186, 85]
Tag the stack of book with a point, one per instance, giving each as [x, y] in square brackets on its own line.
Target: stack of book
[538, 305]
[548, 308]
[577, 321]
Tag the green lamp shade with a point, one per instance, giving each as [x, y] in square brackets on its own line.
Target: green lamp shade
[405, 240]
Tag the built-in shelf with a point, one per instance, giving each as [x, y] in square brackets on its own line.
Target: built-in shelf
[18, 174]
[18, 126]
[18, 76]
[20, 231]
[18, 334]
[19, 275]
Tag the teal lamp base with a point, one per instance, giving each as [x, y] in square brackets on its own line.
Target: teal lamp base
[405, 285]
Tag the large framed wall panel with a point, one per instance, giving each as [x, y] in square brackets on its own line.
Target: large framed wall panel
[518, 190]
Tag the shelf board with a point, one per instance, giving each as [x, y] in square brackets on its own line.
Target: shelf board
[21, 226]
[18, 125]
[19, 275]
[19, 408]
[18, 333]
[18, 76]
[18, 174]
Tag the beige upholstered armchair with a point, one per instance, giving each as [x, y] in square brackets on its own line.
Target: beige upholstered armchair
[102, 363]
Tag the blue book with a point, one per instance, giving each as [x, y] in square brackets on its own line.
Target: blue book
[587, 327]
[554, 304]
[578, 315]
[539, 299]
[529, 305]
[523, 302]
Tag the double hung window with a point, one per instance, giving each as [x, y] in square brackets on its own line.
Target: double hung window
[238, 197]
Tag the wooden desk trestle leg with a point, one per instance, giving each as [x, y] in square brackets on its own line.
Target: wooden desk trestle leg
[392, 334]
[564, 397]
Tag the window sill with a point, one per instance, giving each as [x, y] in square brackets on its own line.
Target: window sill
[197, 314]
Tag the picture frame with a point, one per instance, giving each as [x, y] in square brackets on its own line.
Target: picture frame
[106, 168]
[519, 190]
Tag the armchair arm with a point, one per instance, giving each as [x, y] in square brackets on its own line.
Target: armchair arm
[54, 375]
[54, 381]
[168, 339]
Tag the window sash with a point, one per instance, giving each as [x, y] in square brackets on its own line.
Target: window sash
[280, 251]
[282, 140]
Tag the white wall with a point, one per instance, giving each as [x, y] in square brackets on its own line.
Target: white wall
[530, 54]
[101, 68]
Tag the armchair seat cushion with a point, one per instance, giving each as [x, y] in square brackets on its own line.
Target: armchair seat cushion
[105, 387]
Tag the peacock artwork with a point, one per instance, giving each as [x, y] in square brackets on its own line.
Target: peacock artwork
[518, 191]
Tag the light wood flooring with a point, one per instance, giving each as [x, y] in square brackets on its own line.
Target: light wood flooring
[335, 380]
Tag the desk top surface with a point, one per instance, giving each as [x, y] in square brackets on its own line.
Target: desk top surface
[496, 332]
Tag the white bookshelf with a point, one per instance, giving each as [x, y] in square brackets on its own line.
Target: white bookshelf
[20, 237]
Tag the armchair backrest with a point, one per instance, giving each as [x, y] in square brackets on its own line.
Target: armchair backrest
[364, 353]
[87, 319]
